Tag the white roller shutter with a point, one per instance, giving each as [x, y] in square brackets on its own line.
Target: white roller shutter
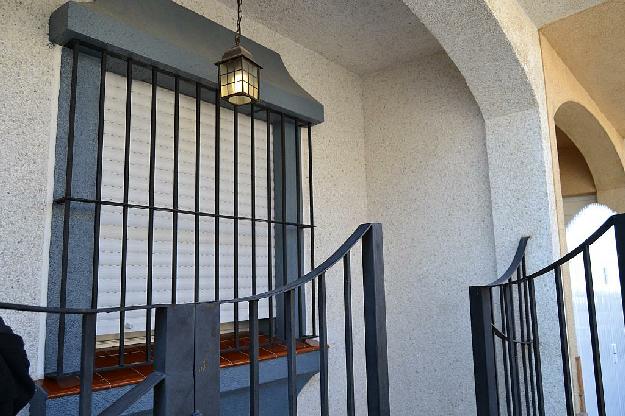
[112, 190]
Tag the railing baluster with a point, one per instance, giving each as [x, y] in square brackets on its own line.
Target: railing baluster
[253, 352]
[323, 347]
[504, 328]
[87, 352]
[536, 347]
[564, 343]
[523, 346]
[512, 350]
[619, 234]
[594, 336]
[529, 337]
[69, 167]
[349, 342]
[494, 349]
[289, 306]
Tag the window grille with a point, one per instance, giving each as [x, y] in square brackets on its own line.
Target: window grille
[190, 203]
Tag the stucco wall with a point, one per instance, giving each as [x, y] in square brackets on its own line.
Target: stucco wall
[29, 71]
[603, 148]
[427, 174]
[28, 95]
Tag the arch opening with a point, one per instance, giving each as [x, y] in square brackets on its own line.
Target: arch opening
[587, 156]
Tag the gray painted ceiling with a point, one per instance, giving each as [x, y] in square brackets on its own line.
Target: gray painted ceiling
[363, 36]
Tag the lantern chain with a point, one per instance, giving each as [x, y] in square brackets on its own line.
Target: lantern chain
[237, 39]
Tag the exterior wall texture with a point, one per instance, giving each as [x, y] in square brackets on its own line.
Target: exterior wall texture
[455, 165]
[427, 174]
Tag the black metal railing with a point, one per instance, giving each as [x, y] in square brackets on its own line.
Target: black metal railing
[195, 327]
[508, 366]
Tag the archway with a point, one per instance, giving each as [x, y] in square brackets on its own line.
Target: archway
[604, 159]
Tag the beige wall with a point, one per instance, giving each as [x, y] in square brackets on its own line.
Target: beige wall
[575, 176]
[571, 107]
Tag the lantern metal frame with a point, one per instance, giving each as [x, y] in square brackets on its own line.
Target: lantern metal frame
[239, 67]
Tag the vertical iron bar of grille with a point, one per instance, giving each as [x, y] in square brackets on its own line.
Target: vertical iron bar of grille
[289, 304]
[522, 308]
[323, 348]
[98, 185]
[236, 227]
[253, 352]
[564, 343]
[148, 312]
[174, 248]
[272, 329]
[530, 339]
[312, 226]
[301, 304]
[512, 350]
[124, 262]
[594, 336]
[198, 110]
[69, 167]
[536, 347]
[87, 352]
[349, 341]
[504, 329]
[217, 169]
[283, 197]
[253, 195]
[492, 320]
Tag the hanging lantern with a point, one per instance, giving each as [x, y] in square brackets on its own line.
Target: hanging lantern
[239, 75]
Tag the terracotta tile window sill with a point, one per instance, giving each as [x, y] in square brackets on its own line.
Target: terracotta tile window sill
[119, 377]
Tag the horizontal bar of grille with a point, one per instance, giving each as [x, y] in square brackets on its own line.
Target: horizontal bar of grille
[178, 211]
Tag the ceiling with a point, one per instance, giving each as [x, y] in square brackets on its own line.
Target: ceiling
[592, 45]
[543, 12]
[363, 36]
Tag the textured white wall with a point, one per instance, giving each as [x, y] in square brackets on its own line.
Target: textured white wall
[29, 71]
[427, 174]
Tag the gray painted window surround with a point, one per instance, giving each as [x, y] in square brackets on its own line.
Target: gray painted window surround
[279, 92]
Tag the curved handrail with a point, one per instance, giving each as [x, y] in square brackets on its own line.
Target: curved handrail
[520, 254]
[358, 233]
[516, 263]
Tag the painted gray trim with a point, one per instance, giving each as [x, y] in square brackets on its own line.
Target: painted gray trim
[173, 38]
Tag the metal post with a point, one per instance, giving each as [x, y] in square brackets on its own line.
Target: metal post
[375, 322]
[484, 363]
[190, 385]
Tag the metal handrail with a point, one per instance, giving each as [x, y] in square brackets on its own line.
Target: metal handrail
[522, 370]
[358, 233]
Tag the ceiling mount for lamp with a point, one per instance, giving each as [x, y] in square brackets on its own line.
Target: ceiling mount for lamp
[239, 75]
